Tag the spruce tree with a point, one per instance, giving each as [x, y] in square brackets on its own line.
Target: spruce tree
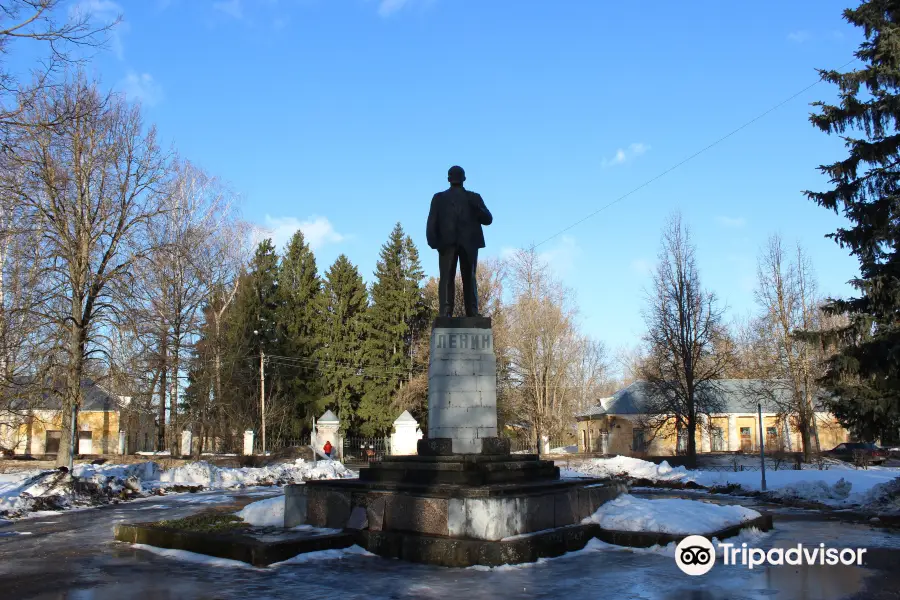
[865, 374]
[253, 329]
[298, 324]
[344, 302]
[396, 299]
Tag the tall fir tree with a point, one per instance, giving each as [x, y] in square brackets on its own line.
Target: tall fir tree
[298, 328]
[344, 302]
[253, 328]
[392, 318]
[865, 374]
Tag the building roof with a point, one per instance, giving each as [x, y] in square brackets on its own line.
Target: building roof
[328, 417]
[94, 398]
[733, 395]
[405, 417]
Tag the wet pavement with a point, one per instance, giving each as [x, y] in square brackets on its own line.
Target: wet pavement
[72, 556]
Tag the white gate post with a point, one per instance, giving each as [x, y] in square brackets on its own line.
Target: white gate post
[248, 442]
[406, 434]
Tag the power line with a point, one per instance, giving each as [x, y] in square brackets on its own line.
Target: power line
[686, 160]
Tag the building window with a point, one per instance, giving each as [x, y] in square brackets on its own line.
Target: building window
[638, 444]
[51, 445]
[772, 438]
[682, 441]
[746, 440]
[718, 439]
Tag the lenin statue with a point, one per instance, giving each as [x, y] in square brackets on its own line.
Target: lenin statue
[454, 230]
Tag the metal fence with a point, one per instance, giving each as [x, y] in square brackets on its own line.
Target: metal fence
[770, 466]
[553, 445]
[363, 449]
[280, 444]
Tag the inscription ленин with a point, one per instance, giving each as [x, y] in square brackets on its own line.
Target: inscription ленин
[473, 341]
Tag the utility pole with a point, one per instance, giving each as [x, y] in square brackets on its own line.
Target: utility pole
[262, 395]
[762, 455]
[75, 440]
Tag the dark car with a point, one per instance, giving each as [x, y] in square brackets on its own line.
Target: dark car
[848, 451]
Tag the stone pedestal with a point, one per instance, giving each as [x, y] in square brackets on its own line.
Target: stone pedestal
[460, 499]
[487, 513]
[462, 384]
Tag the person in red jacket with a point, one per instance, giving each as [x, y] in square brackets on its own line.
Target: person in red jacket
[328, 448]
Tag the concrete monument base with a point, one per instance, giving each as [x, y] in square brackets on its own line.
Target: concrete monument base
[456, 510]
[463, 495]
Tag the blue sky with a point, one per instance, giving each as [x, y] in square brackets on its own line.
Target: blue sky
[342, 117]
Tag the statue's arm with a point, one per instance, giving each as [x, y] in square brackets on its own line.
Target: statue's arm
[431, 228]
[484, 215]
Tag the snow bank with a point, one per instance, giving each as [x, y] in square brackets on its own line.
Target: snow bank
[213, 477]
[625, 466]
[627, 513]
[265, 513]
[29, 491]
[839, 485]
[884, 497]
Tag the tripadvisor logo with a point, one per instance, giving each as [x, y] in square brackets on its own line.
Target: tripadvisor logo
[696, 555]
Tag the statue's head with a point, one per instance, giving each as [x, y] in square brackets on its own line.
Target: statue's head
[456, 175]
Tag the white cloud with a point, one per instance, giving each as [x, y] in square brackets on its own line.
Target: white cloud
[318, 231]
[561, 259]
[624, 155]
[232, 8]
[800, 36]
[388, 7]
[641, 266]
[142, 87]
[731, 222]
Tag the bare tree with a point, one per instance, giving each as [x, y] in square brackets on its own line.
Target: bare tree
[177, 277]
[90, 188]
[590, 373]
[543, 347]
[685, 350]
[786, 292]
[62, 33]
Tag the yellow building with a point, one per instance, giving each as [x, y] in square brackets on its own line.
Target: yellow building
[36, 431]
[621, 423]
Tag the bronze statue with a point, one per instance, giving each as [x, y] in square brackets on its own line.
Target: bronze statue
[454, 230]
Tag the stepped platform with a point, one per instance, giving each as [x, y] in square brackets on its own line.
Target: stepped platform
[476, 497]
[460, 469]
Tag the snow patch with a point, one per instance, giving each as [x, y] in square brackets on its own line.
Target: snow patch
[626, 466]
[669, 515]
[193, 557]
[840, 485]
[324, 555]
[264, 513]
